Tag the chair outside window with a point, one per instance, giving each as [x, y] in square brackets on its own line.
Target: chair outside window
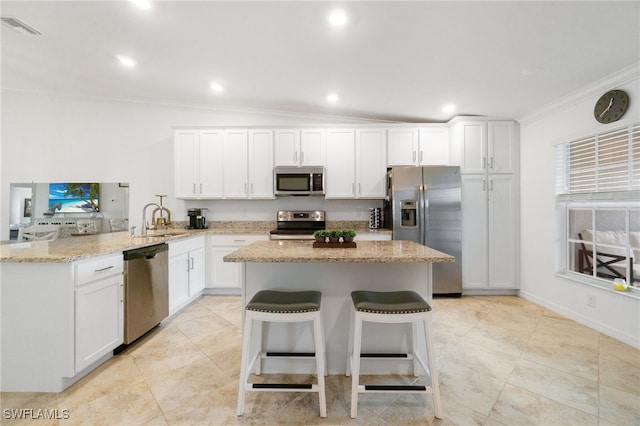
[86, 226]
[117, 225]
[39, 233]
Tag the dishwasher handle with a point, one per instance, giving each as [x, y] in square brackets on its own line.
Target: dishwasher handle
[148, 252]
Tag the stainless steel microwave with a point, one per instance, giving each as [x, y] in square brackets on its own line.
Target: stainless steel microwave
[299, 180]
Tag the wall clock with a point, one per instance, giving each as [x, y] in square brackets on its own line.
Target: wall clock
[611, 106]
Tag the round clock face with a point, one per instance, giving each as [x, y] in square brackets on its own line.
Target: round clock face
[611, 106]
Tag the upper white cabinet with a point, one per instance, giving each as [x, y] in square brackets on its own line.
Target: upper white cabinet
[295, 147]
[224, 164]
[235, 167]
[486, 147]
[356, 163]
[340, 175]
[425, 146]
[261, 164]
[371, 161]
[198, 163]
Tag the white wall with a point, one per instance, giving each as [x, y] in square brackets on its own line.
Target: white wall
[615, 314]
[47, 138]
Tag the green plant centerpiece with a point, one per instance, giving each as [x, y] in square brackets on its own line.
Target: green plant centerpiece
[348, 235]
[334, 236]
[321, 235]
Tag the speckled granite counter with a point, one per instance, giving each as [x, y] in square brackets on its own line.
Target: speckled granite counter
[366, 252]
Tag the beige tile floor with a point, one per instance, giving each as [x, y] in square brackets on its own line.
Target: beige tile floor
[502, 361]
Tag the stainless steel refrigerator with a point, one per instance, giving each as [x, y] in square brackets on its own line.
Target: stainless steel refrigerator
[424, 205]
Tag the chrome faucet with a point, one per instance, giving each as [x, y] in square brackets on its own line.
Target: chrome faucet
[145, 225]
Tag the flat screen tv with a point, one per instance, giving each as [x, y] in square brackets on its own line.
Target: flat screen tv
[74, 197]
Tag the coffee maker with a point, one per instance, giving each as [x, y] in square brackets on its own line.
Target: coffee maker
[197, 219]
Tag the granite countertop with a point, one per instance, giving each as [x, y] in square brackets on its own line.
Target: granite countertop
[365, 252]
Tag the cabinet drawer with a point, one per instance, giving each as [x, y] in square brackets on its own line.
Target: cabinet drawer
[99, 267]
[184, 246]
[237, 239]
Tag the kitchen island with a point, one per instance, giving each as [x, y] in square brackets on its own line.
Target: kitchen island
[336, 272]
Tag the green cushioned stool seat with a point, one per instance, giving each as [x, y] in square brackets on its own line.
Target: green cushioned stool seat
[389, 302]
[285, 302]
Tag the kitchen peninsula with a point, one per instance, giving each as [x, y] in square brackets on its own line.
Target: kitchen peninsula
[336, 272]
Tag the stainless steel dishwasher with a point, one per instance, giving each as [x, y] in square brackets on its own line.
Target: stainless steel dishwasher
[146, 289]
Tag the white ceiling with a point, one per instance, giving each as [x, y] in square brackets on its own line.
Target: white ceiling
[394, 61]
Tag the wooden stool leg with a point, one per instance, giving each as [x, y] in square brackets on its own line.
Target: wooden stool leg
[355, 373]
[433, 371]
[244, 368]
[320, 363]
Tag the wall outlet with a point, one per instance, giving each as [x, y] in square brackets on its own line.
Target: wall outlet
[591, 300]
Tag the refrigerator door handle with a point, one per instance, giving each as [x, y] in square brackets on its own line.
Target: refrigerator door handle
[422, 214]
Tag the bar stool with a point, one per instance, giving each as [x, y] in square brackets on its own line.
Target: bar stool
[283, 306]
[392, 307]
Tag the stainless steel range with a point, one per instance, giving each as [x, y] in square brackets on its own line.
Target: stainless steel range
[298, 225]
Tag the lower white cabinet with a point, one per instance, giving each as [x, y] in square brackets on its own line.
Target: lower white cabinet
[373, 236]
[226, 277]
[99, 319]
[489, 232]
[186, 272]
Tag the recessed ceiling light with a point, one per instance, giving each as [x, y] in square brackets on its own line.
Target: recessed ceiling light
[126, 61]
[142, 4]
[333, 98]
[338, 18]
[448, 108]
[216, 87]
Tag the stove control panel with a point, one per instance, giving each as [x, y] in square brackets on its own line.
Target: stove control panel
[300, 215]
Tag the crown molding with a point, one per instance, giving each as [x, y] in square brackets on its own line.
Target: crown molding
[595, 89]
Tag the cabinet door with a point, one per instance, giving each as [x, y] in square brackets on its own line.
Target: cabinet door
[178, 281]
[287, 145]
[235, 165]
[210, 164]
[261, 164]
[402, 147]
[196, 271]
[502, 232]
[186, 170]
[474, 231]
[501, 146]
[474, 147]
[340, 172]
[225, 274]
[371, 163]
[312, 147]
[434, 147]
[99, 320]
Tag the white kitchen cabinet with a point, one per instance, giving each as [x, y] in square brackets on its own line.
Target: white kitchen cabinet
[235, 167]
[226, 277]
[402, 147]
[340, 173]
[371, 163]
[261, 164]
[99, 309]
[295, 147]
[198, 163]
[356, 163]
[425, 146]
[434, 146]
[186, 272]
[486, 146]
[373, 235]
[489, 231]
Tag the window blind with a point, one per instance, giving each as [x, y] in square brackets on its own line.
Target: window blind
[606, 162]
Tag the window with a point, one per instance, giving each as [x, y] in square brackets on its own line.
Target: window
[598, 204]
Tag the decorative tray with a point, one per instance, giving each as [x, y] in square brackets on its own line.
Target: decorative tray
[334, 245]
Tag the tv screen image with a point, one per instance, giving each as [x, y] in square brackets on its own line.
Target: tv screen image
[74, 197]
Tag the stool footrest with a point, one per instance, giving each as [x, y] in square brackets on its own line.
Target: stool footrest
[393, 388]
[291, 354]
[281, 386]
[379, 355]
